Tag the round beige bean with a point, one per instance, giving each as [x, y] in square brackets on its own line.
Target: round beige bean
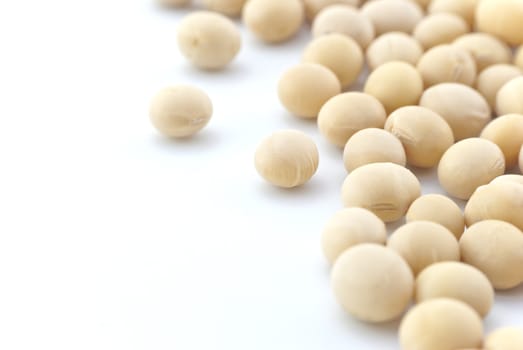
[423, 243]
[425, 135]
[456, 280]
[505, 339]
[492, 79]
[447, 63]
[440, 28]
[486, 49]
[502, 200]
[386, 189]
[510, 97]
[510, 178]
[506, 132]
[393, 46]
[469, 164]
[441, 324]
[439, 209]
[495, 247]
[372, 283]
[273, 21]
[464, 109]
[345, 114]
[304, 88]
[341, 54]
[350, 227]
[287, 158]
[373, 145]
[345, 20]
[208, 40]
[503, 19]
[227, 7]
[180, 111]
[393, 15]
[314, 7]
[385, 81]
[463, 8]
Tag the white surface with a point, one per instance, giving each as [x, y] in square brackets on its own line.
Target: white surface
[114, 238]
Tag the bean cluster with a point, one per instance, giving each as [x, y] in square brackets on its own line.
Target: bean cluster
[443, 89]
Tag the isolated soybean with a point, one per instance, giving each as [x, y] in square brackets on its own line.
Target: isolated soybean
[447, 64]
[345, 114]
[273, 21]
[456, 280]
[439, 28]
[504, 265]
[373, 283]
[373, 145]
[349, 227]
[287, 158]
[346, 20]
[386, 189]
[341, 54]
[395, 84]
[208, 40]
[180, 111]
[463, 108]
[393, 46]
[469, 164]
[439, 209]
[304, 88]
[441, 324]
[425, 135]
[423, 243]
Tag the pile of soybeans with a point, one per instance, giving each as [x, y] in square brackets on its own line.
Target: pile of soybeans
[443, 90]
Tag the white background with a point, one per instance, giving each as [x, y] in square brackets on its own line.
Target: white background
[114, 238]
